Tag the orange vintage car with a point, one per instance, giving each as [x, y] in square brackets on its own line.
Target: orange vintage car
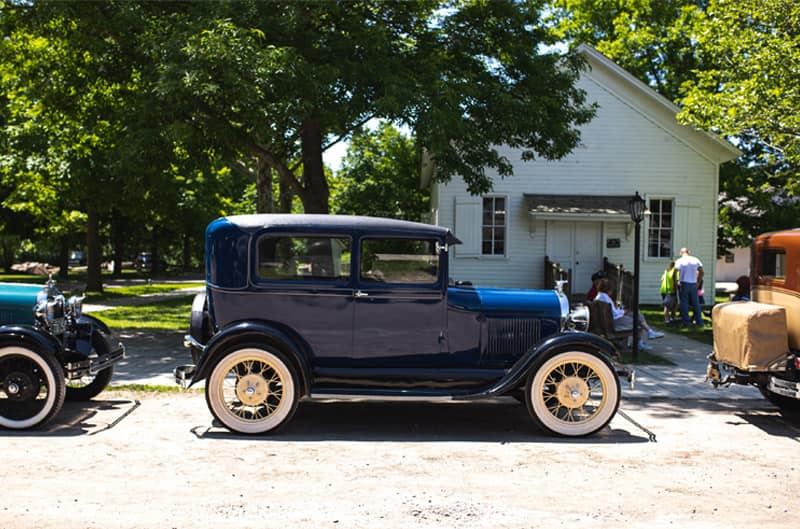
[758, 342]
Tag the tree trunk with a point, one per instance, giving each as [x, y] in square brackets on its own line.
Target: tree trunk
[154, 252]
[315, 194]
[286, 197]
[63, 257]
[265, 202]
[118, 242]
[187, 251]
[94, 278]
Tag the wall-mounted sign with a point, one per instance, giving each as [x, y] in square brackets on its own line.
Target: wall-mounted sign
[612, 243]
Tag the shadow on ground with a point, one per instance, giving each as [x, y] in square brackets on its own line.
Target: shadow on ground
[502, 421]
[81, 418]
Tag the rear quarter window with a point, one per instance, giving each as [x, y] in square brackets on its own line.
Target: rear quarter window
[303, 258]
[399, 261]
[773, 264]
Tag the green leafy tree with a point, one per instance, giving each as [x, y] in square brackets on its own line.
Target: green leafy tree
[84, 132]
[282, 81]
[749, 86]
[649, 38]
[380, 177]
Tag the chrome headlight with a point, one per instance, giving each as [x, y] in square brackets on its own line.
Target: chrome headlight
[578, 318]
[51, 314]
[75, 306]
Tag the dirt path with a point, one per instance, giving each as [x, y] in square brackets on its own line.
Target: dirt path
[155, 461]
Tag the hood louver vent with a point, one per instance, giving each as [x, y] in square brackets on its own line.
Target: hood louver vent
[512, 336]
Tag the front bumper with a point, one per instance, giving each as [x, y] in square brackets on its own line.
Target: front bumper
[786, 388]
[94, 363]
[184, 375]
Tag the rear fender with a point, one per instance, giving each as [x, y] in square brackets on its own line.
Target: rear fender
[559, 342]
[258, 333]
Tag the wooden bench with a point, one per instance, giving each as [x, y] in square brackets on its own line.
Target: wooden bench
[601, 322]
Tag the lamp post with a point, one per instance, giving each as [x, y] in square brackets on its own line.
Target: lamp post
[636, 207]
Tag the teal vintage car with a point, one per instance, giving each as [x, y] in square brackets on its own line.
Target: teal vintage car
[49, 351]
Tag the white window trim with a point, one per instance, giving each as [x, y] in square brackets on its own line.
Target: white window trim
[506, 229]
[646, 231]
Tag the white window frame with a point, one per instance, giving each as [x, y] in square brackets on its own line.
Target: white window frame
[649, 226]
[507, 216]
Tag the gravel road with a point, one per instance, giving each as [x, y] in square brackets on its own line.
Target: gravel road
[147, 460]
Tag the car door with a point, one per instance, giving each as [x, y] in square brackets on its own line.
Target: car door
[304, 283]
[399, 303]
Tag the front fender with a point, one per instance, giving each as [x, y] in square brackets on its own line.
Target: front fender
[31, 338]
[259, 332]
[95, 323]
[522, 368]
[87, 327]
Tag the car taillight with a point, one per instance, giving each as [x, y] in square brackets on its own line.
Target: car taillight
[797, 363]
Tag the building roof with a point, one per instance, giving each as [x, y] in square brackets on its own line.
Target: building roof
[594, 207]
[663, 111]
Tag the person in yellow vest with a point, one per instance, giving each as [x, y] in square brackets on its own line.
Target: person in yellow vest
[669, 291]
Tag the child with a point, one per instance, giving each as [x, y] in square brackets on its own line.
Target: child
[669, 292]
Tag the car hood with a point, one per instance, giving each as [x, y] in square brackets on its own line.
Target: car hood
[17, 301]
[509, 300]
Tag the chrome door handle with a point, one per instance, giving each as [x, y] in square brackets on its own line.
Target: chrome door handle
[360, 294]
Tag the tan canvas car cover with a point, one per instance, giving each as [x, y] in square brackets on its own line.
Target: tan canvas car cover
[748, 335]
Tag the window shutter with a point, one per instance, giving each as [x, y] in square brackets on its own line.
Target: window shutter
[468, 226]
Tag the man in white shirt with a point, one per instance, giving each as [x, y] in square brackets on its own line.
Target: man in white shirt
[691, 272]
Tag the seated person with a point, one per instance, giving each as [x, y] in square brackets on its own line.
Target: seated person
[623, 319]
[596, 277]
[742, 289]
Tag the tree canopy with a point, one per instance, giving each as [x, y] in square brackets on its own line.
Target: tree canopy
[749, 90]
[380, 177]
[733, 67]
[156, 114]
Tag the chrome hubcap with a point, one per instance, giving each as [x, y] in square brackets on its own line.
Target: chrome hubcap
[12, 389]
[573, 392]
[252, 390]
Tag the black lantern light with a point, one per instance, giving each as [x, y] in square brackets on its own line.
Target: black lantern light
[636, 207]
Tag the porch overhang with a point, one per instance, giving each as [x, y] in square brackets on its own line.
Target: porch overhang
[594, 208]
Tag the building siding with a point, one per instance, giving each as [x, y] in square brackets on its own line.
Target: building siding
[623, 150]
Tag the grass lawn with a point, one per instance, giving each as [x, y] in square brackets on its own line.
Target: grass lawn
[655, 318]
[23, 278]
[168, 315]
[138, 290]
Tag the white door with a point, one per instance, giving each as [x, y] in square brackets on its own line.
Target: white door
[577, 247]
[588, 254]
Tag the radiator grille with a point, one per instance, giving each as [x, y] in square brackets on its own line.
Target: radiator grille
[512, 336]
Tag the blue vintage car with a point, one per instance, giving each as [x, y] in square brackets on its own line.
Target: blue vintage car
[49, 351]
[326, 306]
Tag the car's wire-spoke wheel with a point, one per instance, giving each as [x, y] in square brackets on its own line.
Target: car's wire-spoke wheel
[31, 388]
[573, 393]
[252, 390]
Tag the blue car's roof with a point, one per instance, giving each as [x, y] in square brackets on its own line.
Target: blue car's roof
[321, 222]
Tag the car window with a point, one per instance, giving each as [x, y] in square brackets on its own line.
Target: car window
[409, 261]
[304, 258]
[773, 264]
